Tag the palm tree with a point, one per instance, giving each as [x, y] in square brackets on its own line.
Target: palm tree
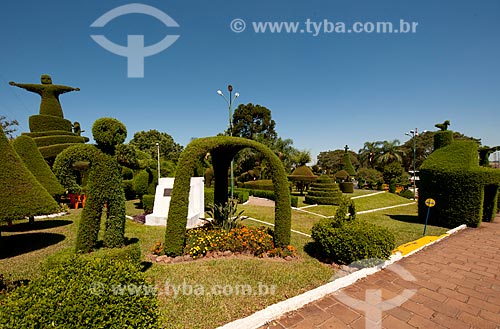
[369, 153]
[390, 152]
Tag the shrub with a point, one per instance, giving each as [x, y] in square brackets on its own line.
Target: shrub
[241, 195]
[369, 176]
[262, 184]
[148, 201]
[108, 133]
[324, 191]
[442, 138]
[209, 197]
[33, 159]
[348, 167]
[347, 242]
[294, 200]
[84, 293]
[347, 187]
[128, 188]
[41, 123]
[58, 139]
[406, 194]
[346, 209]
[22, 194]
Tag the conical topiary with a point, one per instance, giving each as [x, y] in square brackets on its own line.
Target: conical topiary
[324, 191]
[20, 192]
[26, 148]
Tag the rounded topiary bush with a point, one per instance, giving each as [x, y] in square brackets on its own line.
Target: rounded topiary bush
[84, 293]
[346, 242]
[108, 132]
[324, 191]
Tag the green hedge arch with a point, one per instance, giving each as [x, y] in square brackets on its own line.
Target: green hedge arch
[222, 150]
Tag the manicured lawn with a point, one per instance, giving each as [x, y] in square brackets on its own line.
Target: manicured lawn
[203, 294]
[379, 201]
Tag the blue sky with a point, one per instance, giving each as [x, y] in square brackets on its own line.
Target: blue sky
[324, 91]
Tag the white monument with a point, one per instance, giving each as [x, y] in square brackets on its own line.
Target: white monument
[162, 202]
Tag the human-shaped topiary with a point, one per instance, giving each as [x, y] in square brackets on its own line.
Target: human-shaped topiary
[104, 187]
[49, 93]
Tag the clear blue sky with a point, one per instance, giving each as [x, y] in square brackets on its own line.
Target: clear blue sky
[324, 91]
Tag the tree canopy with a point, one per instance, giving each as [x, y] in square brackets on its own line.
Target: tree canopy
[146, 142]
[8, 126]
[251, 121]
[333, 161]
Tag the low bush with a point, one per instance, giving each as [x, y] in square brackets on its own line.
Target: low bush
[406, 194]
[84, 293]
[344, 242]
[262, 184]
[294, 200]
[209, 197]
[346, 209]
[148, 201]
[128, 188]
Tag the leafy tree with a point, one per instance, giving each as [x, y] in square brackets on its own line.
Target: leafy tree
[393, 172]
[333, 161]
[146, 141]
[251, 121]
[370, 176]
[8, 126]
[424, 146]
[302, 157]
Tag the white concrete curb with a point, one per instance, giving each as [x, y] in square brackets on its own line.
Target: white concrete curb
[274, 311]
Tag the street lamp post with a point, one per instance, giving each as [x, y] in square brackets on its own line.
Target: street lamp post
[230, 105]
[413, 134]
[158, 158]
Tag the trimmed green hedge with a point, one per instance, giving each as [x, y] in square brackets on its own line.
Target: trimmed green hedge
[442, 138]
[148, 201]
[348, 165]
[22, 194]
[223, 149]
[294, 200]
[33, 159]
[42, 123]
[464, 192]
[324, 191]
[262, 184]
[49, 133]
[63, 165]
[53, 150]
[84, 293]
[58, 139]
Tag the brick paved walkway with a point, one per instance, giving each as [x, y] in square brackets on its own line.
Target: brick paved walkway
[456, 284]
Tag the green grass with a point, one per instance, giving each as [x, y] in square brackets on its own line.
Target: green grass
[195, 310]
[379, 201]
[402, 222]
